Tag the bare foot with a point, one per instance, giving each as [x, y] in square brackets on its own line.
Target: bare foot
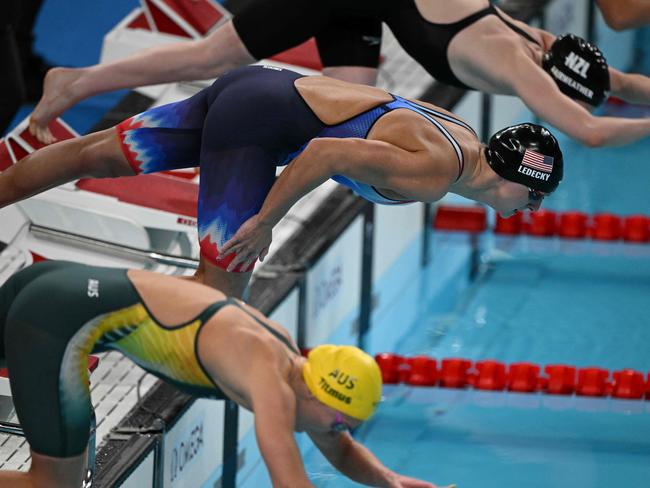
[58, 95]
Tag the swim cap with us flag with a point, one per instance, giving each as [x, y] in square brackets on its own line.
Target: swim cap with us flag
[527, 154]
[344, 378]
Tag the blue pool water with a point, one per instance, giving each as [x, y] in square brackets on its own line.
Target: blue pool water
[539, 300]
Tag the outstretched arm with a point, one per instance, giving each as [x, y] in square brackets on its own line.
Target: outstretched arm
[373, 162]
[630, 87]
[180, 61]
[540, 93]
[359, 464]
[274, 404]
[625, 14]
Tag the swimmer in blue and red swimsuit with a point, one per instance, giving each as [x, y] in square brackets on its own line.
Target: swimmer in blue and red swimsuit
[387, 149]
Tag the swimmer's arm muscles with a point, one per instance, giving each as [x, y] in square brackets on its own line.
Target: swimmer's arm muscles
[352, 459]
[630, 87]
[540, 93]
[274, 405]
[373, 162]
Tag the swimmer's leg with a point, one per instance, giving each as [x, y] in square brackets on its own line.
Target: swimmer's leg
[11, 288]
[48, 471]
[233, 187]
[349, 48]
[162, 138]
[247, 131]
[52, 326]
[232, 284]
[96, 155]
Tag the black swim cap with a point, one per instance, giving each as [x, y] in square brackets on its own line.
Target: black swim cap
[578, 68]
[528, 154]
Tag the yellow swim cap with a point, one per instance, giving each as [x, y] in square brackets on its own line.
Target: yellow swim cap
[344, 378]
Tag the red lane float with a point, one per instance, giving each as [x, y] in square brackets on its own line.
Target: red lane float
[510, 226]
[628, 384]
[573, 225]
[593, 382]
[636, 228]
[521, 377]
[389, 365]
[606, 227]
[561, 379]
[543, 223]
[576, 225]
[491, 375]
[468, 219]
[454, 372]
[423, 371]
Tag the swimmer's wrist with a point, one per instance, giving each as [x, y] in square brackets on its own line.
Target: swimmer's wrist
[389, 478]
[266, 220]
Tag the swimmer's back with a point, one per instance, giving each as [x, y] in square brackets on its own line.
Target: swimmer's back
[335, 101]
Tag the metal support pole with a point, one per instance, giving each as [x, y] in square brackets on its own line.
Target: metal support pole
[426, 234]
[231, 427]
[301, 333]
[486, 116]
[366, 273]
[592, 34]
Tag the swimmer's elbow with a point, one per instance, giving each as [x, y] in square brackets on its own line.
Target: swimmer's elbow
[616, 16]
[617, 21]
[591, 135]
[592, 140]
[595, 139]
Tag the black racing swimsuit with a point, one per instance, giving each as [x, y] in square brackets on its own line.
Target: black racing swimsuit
[428, 42]
[54, 314]
[348, 32]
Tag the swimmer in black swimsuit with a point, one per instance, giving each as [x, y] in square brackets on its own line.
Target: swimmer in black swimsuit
[54, 314]
[467, 43]
[387, 149]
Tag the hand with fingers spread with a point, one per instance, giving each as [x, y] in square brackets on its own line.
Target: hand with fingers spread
[252, 240]
[401, 481]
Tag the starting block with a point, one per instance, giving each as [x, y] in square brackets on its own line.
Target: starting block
[20, 142]
[159, 22]
[303, 58]
[184, 18]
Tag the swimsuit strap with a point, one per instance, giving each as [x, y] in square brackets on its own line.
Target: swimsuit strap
[429, 114]
[491, 10]
[514, 27]
[215, 307]
[472, 18]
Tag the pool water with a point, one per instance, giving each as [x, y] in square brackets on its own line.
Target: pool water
[501, 440]
[544, 301]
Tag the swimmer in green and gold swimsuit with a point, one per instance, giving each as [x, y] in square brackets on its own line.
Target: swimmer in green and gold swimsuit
[54, 314]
